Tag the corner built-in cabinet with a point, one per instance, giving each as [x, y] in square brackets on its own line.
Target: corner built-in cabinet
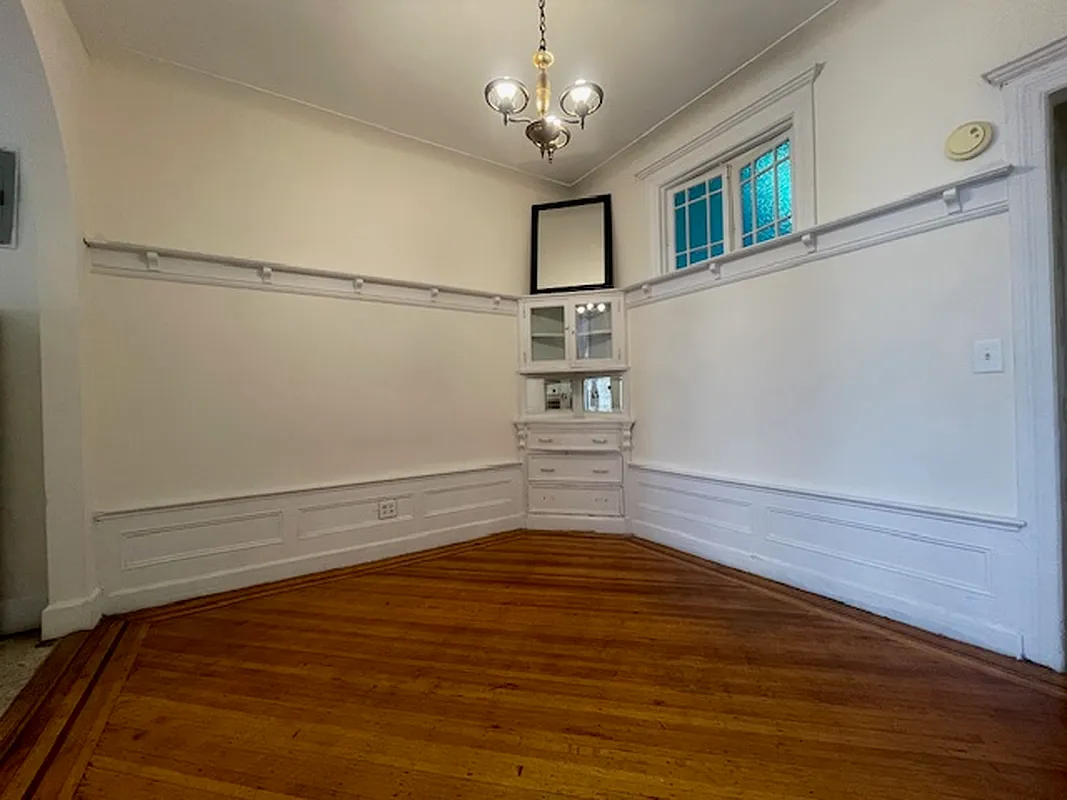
[569, 333]
[575, 428]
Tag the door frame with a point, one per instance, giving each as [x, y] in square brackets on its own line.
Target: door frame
[1027, 85]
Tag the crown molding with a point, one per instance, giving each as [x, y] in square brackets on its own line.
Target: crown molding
[804, 79]
[1024, 65]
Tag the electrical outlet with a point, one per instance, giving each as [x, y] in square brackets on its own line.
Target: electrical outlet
[387, 509]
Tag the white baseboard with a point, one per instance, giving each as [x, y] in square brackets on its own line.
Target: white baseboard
[67, 616]
[150, 557]
[561, 522]
[19, 614]
[948, 572]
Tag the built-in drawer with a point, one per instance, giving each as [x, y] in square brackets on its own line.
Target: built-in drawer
[587, 468]
[579, 502]
[573, 440]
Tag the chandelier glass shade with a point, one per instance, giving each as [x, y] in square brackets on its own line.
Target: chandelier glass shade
[548, 131]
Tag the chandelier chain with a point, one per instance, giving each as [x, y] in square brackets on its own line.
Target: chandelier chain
[544, 25]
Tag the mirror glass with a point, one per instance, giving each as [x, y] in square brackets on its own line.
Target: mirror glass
[572, 245]
[547, 395]
[602, 395]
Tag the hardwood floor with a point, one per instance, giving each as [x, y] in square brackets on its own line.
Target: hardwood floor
[535, 666]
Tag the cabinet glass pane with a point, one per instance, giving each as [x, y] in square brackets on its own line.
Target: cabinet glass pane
[592, 331]
[602, 395]
[548, 337]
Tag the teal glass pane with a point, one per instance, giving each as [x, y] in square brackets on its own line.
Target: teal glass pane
[746, 172]
[765, 235]
[764, 199]
[783, 150]
[785, 227]
[746, 241]
[765, 161]
[718, 250]
[717, 234]
[680, 262]
[698, 224]
[746, 207]
[679, 199]
[698, 255]
[698, 191]
[785, 189]
[715, 184]
[681, 240]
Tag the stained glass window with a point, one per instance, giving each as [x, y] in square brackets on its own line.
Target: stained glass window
[734, 205]
[700, 221]
[766, 194]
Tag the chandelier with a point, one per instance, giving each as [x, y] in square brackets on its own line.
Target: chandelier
[549, 132]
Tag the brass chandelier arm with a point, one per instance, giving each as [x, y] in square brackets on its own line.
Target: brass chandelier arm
[548, 131]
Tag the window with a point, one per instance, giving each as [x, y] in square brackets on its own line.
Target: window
[753, 171]
[744, 201]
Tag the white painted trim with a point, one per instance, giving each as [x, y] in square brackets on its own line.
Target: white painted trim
[723, 80]
[369, 481]
[953, 625]
[171, 591]
[161, 554]
[977, 196]
[1025, 66]
[578, 524]
[790, 106]
[19, 614]
[954, 573]
[125, 260]
[82, 614]
[1028, 85]
[895, 507]
[801, 81]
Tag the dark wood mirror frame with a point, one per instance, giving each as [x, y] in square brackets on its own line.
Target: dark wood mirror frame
[603, 200]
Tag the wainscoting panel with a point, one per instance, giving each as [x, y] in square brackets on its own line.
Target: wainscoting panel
[943, 570]
[147, 557]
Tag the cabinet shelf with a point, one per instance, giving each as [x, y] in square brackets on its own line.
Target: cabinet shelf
[548, 336]
[592, 333]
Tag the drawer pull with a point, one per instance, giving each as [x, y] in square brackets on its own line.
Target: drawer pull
[545, 439]
[601, 471]
[600, 441]
[548, 469]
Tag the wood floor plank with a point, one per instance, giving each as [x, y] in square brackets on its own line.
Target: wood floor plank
[551, 666]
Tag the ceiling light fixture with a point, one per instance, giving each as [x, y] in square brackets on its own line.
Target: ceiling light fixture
[549, 132]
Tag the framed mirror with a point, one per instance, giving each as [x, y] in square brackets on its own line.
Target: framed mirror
[571, 246]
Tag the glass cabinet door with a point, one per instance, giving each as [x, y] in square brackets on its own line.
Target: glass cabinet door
[592, 331]
[548, 333]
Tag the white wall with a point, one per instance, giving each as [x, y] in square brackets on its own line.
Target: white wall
[23, 567]
[900, 74]
[200, 392]
[850, 376]
[40, 443]
[204, 392]
[854, 375]
[184, 161]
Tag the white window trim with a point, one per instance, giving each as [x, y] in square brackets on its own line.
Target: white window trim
[789, 107]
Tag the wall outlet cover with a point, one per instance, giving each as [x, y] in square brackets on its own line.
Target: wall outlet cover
[387, 509]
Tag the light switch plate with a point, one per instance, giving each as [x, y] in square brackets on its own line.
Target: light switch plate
[988, 356]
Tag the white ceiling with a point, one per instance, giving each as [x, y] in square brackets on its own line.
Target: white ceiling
[418, 67]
